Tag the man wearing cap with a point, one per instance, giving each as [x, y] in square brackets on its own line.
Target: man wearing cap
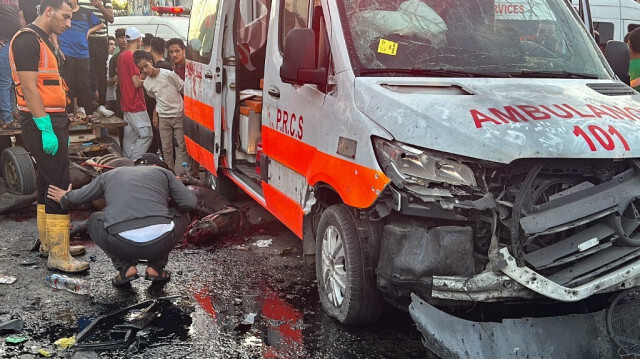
[137, 133]
[145, 224]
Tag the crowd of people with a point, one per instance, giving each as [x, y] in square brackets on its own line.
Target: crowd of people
[99, 79]
[67, 44]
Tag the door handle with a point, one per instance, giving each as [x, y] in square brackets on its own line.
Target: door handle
[208, 75]
[274, 92]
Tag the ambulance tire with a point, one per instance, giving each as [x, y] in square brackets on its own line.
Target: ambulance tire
[339, 256]
[222, 184]
[18, 170]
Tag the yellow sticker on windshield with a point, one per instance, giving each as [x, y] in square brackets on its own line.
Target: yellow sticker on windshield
[387, 47]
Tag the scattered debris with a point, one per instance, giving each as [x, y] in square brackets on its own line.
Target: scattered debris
[29, 262]
[44, 353]
[239, 247]
[250, 318]
[11, 326]
[622, 320]
[7, 279]
[93, 258]
[252, 341]
[127, 325]
[225, 222]
[289, 251]
[74, 285]
[263, 243]
[15, 339]
[237, 301]
[114, 344]
[65, 343]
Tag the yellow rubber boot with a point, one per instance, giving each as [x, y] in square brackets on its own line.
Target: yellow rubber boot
[41, 219]
[58, 239]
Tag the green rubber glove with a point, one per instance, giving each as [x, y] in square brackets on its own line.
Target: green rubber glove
[49, 139]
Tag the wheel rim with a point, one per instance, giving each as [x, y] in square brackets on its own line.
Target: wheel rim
[211, 181]
[333, 265]
[11, 175]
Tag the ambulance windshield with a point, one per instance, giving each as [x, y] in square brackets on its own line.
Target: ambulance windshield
[526, 38]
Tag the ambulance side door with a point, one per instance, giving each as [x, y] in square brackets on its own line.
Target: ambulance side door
[203, 84]
[292, 121]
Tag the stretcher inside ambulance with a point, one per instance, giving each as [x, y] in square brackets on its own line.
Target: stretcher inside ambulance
[464, 151]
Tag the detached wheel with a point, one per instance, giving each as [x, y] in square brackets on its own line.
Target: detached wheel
[18, 171]
[347, 290]
[222, 184]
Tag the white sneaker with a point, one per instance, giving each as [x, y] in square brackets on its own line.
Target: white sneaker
[104, 112]
[81, 110]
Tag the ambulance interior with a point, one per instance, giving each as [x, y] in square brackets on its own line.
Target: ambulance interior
[250, 30]
[251, 20]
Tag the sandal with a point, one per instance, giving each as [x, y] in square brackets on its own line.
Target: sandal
[162, 277]
[121, 279]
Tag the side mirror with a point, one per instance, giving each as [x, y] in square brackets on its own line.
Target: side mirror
[299, 59]
[617, 54]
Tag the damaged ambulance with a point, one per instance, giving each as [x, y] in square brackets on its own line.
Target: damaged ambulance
[464, 151]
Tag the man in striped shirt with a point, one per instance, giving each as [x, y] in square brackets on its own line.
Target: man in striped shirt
[99, 49]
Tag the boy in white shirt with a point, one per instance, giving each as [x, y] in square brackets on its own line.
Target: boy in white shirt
[165, 86]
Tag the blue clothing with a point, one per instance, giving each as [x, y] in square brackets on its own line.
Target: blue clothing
[73, 42]
[6, 81]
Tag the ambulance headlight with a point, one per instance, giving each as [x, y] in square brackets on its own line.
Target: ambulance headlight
[404, 164]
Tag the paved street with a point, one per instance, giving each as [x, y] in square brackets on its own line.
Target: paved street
[214, 289]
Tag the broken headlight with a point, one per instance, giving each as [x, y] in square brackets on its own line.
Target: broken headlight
[406, 165]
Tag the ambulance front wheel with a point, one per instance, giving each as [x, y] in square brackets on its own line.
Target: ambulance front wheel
[222, 184]
[346, 287]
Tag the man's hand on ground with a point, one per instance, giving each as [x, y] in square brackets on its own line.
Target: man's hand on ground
[55, 193]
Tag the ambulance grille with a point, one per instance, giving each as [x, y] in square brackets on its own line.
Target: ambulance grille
[612, 89]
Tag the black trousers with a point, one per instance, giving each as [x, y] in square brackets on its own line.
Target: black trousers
[125, 253]
[156, 144]
[98, 53]
[52, 170]
[76, 74]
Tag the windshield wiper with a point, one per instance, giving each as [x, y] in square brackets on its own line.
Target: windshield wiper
[554, 74]
[433, 72]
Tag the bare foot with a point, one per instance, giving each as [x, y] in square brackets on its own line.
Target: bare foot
[131, 271]
[151, 272]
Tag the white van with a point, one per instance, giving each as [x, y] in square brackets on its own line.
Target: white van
[464, 153]
[613, 19]
[166, 27]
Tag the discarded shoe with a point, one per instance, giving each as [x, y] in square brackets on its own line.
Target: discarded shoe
[104, 111]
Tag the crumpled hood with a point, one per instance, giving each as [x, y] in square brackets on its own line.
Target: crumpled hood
[502, 120]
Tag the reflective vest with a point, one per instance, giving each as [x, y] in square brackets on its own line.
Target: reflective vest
[50, 85]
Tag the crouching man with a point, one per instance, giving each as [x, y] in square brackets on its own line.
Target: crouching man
[145, 217]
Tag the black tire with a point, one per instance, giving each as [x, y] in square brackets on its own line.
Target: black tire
[5, 142]
[111, 144]
[222, 184]
[361, 301]
[18, 171]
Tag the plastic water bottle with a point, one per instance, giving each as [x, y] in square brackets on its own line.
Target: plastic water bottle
[185, 166]
[75, 285]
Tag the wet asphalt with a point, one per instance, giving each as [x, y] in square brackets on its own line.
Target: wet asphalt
[231, 299]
